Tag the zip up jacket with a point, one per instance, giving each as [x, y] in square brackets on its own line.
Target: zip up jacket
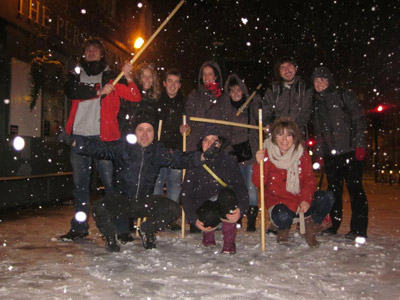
[171, 111]
[294, 102]
[110, 105]
[249, 116]
[199, 186]
[136, 168]
[203, 104]
[339, 121]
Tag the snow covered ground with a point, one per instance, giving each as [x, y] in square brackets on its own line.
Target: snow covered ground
[34, 265]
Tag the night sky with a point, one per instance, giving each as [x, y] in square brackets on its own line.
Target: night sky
[357, 40]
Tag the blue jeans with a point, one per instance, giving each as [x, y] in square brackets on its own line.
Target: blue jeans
[247, 172]
[82, 170]
[320, 206]
[173, 179]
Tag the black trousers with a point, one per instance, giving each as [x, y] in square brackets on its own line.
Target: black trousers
[159, 210]
[346, 167]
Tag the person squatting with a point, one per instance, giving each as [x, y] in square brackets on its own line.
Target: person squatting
[222, 162]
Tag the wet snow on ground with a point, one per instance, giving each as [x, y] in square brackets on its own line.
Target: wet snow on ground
[34, 265]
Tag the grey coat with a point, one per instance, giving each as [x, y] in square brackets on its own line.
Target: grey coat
[339, 120]
[294, 102]
[203, 104]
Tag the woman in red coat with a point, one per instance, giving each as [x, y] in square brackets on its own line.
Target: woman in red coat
[289, 182]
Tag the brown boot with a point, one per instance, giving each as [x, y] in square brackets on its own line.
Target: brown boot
[283, 235]
[311, 230]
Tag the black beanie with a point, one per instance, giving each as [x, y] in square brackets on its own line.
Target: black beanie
[323, 72]
[142, 117]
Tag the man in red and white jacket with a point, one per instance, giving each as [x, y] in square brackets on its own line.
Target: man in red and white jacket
[98, 111]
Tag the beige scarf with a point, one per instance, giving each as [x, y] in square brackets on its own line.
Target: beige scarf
[289, 161]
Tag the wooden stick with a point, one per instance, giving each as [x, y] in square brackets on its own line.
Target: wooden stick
[261, 147]
[150, 39]
[138, 222]
[196, 119]
[159, 130]
[183, 178]
[244, 105]
[302, 224]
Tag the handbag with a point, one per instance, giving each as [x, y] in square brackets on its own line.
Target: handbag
[242, 151]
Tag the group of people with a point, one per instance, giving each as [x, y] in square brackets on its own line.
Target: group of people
[116, 126]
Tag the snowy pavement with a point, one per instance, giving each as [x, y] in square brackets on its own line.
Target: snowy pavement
[34, 265]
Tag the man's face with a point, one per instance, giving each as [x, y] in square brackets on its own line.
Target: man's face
[287, 71]
[320, 84]
[145, 134]
[208, 75]
[208, 141]
[147, 79]
[236, 93]
[92, 53]
[172, 85]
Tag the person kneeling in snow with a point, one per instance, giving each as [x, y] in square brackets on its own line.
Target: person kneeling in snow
[136, 168]
[290, 183]
[220, 195]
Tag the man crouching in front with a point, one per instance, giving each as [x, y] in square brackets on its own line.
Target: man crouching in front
[137, 160]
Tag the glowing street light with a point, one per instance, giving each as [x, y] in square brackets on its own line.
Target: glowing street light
[138, 43]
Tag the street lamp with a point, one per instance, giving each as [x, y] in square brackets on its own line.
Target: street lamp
[138, 43]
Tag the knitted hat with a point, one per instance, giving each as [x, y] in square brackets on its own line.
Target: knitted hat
[142, 117]
[323, 72]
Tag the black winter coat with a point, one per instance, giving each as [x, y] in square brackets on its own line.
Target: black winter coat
[170, 112]
[136, 168]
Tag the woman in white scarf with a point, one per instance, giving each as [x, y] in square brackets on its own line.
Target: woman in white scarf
[290, 182]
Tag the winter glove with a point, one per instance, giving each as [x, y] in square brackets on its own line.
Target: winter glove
[212, 152]
[214, 88]
[360, 153]
[64, 137]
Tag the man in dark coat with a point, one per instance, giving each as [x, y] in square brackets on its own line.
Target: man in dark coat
[171, 109]
[288, 95]
[339, 125]
[137, 160]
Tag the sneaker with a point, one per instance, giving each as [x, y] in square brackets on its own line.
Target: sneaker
[111, 244]
[148, 240]
[351, 235]
[124, 238]
[72, 236]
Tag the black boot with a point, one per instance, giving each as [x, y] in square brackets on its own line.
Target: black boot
[251, 218]
[111, 244]
[148, 240]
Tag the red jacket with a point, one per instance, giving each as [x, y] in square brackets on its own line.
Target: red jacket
[110, 104]
[275, 183]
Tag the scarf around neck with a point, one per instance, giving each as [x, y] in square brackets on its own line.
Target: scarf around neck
[289, 161]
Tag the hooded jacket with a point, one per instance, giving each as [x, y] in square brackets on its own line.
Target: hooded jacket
[294, 102]
[203, 104]
[77, 91]
[249, 116]
[199, 186]
[339, 120]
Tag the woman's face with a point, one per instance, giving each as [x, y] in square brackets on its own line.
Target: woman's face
[208, 141]
[236, 93]
[208, 75]
[147, 79]
[284, 140]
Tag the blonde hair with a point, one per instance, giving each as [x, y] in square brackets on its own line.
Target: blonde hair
[154, 92]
